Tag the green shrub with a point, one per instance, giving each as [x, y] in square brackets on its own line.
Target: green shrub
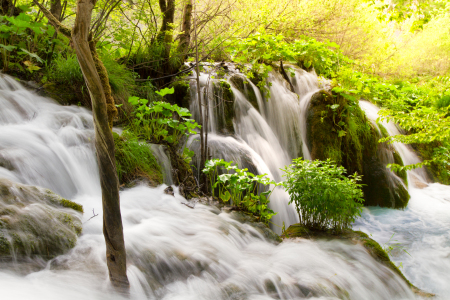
[247, 191]
[443, 102]
[135, 159]
[155, 121]
[323, 195]
[121, 79]
[65, 69]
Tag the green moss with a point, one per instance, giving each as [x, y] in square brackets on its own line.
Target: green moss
[355, 148]
[244, 87]
[72, 205]
[181, 95]
[224, 103]
[401, 196]
[4, 245]
[383, 130]
[134, 159]
[342, 134]
[438, 172]
[402, 173]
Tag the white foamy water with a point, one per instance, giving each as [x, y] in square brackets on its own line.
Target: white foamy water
[423, 230]
[174, 252]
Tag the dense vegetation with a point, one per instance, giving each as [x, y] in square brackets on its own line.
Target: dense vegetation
[323, 194]
[396, 56]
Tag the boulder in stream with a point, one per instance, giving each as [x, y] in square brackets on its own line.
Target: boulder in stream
[338, 129]
[36, 221]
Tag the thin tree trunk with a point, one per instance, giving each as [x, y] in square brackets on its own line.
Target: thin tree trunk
[56, 9]
[185, 35]
[103, 109]
[200, 105]
[104, 144]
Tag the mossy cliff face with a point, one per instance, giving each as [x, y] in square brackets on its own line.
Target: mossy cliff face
[35, 221]
[183, 177]
[339, 130]
[354, 237]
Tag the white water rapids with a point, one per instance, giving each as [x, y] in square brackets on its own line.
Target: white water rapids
[175, 252]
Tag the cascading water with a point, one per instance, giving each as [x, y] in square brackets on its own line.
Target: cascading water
[270, 132]
[174, 252]
[421, 228]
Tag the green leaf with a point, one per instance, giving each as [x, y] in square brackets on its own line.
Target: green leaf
[34, 55]
[8, 48]
[165, 91]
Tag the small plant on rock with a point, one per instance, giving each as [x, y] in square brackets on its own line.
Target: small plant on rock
[155, 122]
[325, 198]
[247, 191]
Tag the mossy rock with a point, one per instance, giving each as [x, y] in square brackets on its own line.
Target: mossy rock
[346, 136]
[182, 174]
[354, 237]
[135, 161]
[224, 105]
[181, 95]
[240, 83]
[35, 221]
[402, 173]
[436, 171]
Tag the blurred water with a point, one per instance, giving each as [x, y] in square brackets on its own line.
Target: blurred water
[174, 252]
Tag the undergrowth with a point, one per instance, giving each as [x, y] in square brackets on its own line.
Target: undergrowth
[135, 159]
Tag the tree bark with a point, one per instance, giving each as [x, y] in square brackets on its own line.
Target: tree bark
[104, 144]
[7, 8]
[185, 35]
[56, 9]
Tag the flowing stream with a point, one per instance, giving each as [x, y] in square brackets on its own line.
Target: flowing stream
[175, 252]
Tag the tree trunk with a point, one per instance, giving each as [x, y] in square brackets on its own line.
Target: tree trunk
[104, 144]
[185, 35]
[56, 9]
[7, 8]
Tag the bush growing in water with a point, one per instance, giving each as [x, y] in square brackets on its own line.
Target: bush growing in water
[247, 191]
[323, 195]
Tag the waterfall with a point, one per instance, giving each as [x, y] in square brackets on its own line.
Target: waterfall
[174, 252]
[421, 228]
[415, 176]
[164, 162]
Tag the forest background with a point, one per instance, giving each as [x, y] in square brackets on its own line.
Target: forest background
[393, 53]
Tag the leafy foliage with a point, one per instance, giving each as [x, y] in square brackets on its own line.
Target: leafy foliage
[20, 38]
[247, 191]
[155, 122]
[323, 195]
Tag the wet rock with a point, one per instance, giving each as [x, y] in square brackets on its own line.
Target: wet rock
[253, 221]
[355, 237]
[35, 221]
[169, 191]
[357, 149]
[245, 88]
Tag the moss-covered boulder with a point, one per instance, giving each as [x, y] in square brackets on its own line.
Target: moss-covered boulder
[354, 237]
[182, 174]
[135, 161]
[35, 221]
[181, 95]
[240, 83]
[338, 129]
